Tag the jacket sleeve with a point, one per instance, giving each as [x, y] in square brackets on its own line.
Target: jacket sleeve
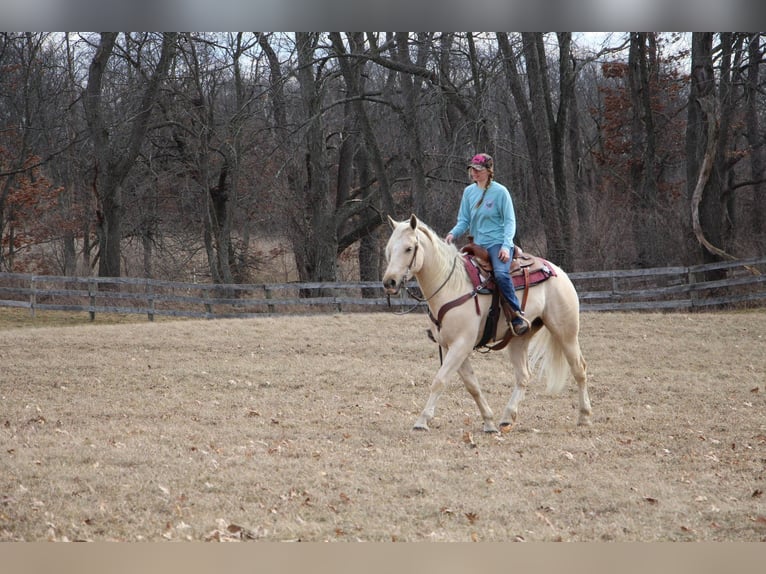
[509, 222]
[463, 216]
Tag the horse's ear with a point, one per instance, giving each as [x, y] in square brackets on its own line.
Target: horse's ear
[413, 221]
[391, 222]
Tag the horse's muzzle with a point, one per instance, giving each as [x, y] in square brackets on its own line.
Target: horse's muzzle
[391, 286]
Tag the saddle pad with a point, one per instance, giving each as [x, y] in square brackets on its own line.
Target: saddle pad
[539, 270]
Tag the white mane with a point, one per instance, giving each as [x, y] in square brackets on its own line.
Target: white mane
[445, 255]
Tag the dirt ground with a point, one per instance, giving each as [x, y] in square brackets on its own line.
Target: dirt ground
[299, 428]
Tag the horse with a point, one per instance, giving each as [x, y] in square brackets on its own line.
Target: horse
[550, 346]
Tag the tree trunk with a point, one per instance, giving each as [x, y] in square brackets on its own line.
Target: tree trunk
[411, 125]
[536, 121]
[316, 247]
[559, 132]
[703, 181]
[114, 159]
[643, 185]
[754, 140]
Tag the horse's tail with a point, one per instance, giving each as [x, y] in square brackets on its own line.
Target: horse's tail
[547, 358]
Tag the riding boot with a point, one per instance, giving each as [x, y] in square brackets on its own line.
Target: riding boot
[504, 282]
[520, 324]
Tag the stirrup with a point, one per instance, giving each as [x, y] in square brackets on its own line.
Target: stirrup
[523, 328]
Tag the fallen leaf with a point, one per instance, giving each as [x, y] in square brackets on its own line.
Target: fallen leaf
[545, 519]
[757, 493]
[651, 500]
[472, 517]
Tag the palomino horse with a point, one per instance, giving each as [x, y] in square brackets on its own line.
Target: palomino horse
[552, 307]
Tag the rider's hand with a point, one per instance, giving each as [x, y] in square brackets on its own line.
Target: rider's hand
[504, 255]
[449, 238]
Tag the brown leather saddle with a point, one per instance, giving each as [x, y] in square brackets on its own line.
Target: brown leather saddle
[526, 271]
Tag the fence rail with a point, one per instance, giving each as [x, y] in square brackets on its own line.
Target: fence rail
[734, 283]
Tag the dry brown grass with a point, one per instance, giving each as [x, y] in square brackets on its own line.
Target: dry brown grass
[298, 428]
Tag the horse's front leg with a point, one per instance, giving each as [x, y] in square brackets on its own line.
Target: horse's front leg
[472, 386]
[453, 359]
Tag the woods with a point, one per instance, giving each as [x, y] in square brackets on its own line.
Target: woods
[209, 156]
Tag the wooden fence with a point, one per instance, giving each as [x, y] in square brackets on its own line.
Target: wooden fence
[740, 283]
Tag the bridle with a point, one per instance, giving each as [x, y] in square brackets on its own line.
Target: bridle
[406, 278]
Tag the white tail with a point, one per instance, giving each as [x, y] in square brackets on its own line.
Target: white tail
[547, 359]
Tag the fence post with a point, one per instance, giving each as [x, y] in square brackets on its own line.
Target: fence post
[150, 300]
[32, 296]
[208, 306]
[92, 288]
[691, 280]
[267, 293]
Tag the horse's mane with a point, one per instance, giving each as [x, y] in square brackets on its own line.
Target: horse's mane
[445, 257]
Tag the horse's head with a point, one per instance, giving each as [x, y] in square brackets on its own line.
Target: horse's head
[402, 254]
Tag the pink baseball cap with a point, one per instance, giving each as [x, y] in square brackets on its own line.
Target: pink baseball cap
[481, 161]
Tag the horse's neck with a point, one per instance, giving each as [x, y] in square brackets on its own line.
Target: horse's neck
[434, 279]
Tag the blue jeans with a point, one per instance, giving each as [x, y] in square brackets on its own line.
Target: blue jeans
[502, 272]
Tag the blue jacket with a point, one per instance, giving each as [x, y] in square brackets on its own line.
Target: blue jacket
[492, 223]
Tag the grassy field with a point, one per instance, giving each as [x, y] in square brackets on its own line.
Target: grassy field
[298, 428]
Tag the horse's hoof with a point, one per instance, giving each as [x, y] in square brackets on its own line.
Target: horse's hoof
[506, 427]
[420, 428]
[490, 430]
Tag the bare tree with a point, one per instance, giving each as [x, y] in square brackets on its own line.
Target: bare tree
[755, 139]
[117, 141]
[643, 184]
[545, 130]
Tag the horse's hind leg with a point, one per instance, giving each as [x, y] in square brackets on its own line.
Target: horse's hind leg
[517, 351]
[472, 386]
[578, 367]
[568, 343]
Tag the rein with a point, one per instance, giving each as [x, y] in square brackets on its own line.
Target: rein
[426, 299]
